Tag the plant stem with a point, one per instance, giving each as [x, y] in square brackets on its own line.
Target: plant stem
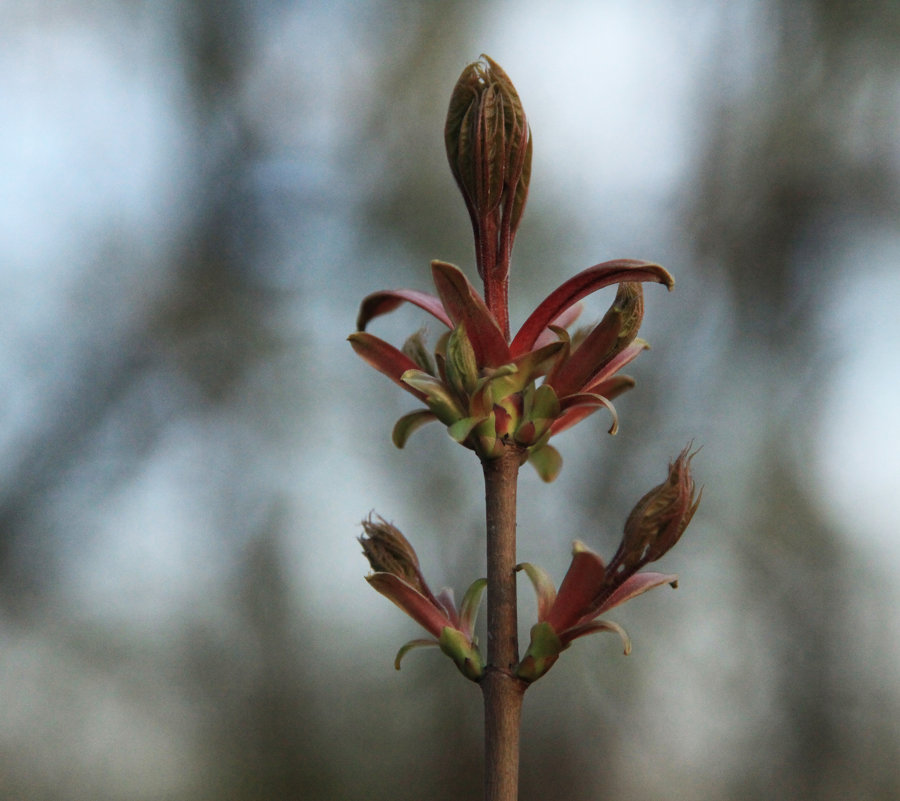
[503, 692]
[496, 296]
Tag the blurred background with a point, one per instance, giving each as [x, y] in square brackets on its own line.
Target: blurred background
[195, 196]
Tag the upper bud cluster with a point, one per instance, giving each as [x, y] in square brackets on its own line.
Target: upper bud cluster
[484, 389]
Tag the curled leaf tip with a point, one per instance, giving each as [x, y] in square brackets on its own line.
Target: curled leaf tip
[404, 650]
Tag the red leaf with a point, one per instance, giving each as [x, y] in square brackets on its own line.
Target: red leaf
[379, 303]
[638, 584]
[576, 407]
[583, 629]
[616, 363]
[564, 320]
[611, 388]
[570, 418]
[580, 586]
[580, 286]
[586, 361]
[411, 601]
[385, 358]
[464, 305]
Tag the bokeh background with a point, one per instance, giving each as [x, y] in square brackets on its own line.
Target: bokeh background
[195, 196]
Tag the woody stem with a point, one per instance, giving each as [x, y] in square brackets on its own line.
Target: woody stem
[503, 691]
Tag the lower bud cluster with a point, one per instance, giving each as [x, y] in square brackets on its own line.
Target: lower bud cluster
[589, 588]
[397, 576]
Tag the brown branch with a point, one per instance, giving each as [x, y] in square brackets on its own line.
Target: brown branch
[503, 692]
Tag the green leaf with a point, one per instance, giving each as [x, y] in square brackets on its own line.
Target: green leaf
[438, 397]
[415, 348]
[409, 423]
[409, 646]
[543, 587]
[485, 395]
[486, 434]
[461, 365]
[547, 461]
[598, 626]
[462, 428]
[468, 609]
[525, 370]
[461, 650]
[543, 650]
[544, 405]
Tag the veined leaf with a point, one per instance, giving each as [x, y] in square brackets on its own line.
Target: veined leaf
[578, 287]
[547, 461]
[386, 301]
[464, 305]
[409, 423]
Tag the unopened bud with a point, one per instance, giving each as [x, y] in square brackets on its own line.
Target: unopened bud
[388, 551]
[415, 348]
[659, 519]
[591, 353]
[489, 149]
[461, 365]
[629, 307]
